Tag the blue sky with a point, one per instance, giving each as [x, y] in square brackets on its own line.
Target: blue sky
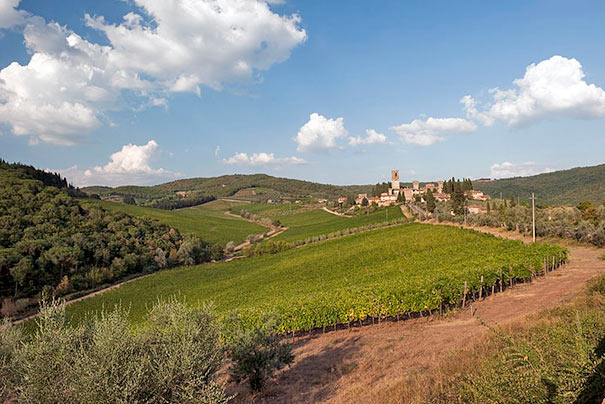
[337, 92]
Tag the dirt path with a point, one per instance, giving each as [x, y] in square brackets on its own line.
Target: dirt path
[376, 364]
[273, 233]
[335, 213]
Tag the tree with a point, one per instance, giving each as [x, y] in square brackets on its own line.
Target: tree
[512, 202]
[458, 200]
[401, 197]
[21, 270]
[364, 202]
[489, 209]
[129, 200]
[430, 201]
[258, 353]
[63, 257]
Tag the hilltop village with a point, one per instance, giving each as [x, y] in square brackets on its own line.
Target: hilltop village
[395, 193]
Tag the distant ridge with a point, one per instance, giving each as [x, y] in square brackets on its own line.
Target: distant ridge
[566, 187]
[233, 186]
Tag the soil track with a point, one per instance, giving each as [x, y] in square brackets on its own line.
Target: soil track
[375, 364]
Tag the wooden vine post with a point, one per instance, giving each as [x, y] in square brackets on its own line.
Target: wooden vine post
[481, 288]
[465, 292]
[501, 280]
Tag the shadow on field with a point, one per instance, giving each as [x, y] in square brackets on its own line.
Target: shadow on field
[310, 378]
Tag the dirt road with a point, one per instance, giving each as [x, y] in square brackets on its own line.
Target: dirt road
[372, 364]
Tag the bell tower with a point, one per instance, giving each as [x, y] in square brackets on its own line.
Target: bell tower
[395, 179]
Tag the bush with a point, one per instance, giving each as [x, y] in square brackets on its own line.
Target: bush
[173, 358]
[258, 353]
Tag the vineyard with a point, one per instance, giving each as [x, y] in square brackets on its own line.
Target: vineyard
[388, 272]
[303, 224]
[208, 221]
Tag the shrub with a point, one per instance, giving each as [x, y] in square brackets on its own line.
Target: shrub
[258, 353]
[230, 247]
[172, 358]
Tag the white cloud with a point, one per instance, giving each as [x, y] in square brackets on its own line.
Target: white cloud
[129, 166]
[261, 159]
[432, 130]
[509, 170]
[552, 88]
[69, 83]
[9, 15]
[193, 43]
[372, 137]
[320, 133]
[57, 96]
[217, 151]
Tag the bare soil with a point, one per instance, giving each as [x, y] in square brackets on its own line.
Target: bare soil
[381, 363]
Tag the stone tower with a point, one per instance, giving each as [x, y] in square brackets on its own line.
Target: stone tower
[416, 185]
[395, 179]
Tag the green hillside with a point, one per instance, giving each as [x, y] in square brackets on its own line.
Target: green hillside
[255, 187]
[567, 187]
[208, 222]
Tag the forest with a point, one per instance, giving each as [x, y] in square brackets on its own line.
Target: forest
[51, 245]
[567, 187]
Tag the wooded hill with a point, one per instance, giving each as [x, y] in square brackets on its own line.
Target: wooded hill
[234, 186]
[53, 245]
[567, 187]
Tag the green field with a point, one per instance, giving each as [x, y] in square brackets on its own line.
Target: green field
[317, 222]
[304, 221]
[208, 221]
[399, 269]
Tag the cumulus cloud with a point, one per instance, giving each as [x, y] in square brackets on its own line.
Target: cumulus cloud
[509, 170]
[553, 88]
[432, 130]
[320, 133]
[56, 97]
[9, 15]
[129, 166]
[70, 83]
[261, 159]
[372, 137]
[193, 43]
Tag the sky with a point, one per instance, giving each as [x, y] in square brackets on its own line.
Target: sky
[142, 92]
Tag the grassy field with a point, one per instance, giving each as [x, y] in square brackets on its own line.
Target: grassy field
[308, 223]
[409, 267]
[208, 221]
[316, 222]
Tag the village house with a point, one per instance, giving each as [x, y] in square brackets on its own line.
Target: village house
[477, 195]
[476, 209]
[360, 198]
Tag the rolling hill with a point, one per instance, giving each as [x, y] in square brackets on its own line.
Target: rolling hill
[254, 187]
[566, 187]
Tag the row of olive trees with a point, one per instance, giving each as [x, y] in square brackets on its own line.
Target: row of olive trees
[173, 358]
[583, 224]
